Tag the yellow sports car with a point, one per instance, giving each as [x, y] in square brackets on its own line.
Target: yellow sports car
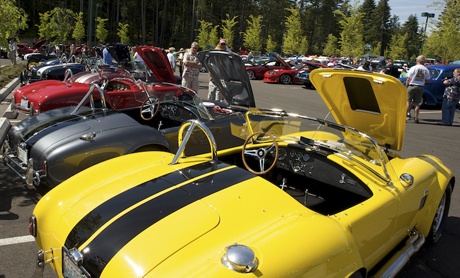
[302, 197]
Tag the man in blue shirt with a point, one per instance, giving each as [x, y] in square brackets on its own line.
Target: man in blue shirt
[106, 55]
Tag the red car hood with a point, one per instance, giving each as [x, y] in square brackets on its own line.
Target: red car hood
[156, 60]
[37, 91]
[39, 44]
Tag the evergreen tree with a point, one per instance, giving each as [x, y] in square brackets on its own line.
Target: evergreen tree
[251, 37]
[294, 42]
[351, 37]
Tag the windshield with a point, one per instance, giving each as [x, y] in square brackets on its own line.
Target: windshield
[321, 136]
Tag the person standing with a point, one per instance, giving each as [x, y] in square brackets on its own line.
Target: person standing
[13, 51]
[172, 59]
[191, 68]
[450, 98]
[417, 77]
[179, 60]
[106, 56]
[213, 91]
[392, 69]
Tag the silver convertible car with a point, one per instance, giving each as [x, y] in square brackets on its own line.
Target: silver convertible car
[49, 147]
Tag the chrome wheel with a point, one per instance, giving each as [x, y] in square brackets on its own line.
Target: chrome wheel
[251, 75]
[437, 226]
[285, 79]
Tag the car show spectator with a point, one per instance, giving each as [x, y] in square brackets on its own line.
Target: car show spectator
[417, 77]
[451, 98]
[366, 66]
[179, 61]
[191, 68]
[172, 59]
[13, 51]
[213, 91]
[392, 69]
[403, 73]
[106, 56]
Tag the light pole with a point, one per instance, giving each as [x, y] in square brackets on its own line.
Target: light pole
[427, 15]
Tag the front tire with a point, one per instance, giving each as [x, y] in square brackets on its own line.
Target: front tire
[439, 221]
[285, 79]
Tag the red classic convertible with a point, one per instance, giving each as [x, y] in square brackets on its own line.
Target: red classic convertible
[123, 90]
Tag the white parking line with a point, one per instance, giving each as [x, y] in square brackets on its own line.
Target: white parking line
[16, 240]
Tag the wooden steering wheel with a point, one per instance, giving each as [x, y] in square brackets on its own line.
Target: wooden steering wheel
[260, 153]
[149, 108]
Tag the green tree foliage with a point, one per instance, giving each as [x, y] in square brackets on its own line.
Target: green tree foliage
[44, 28]
[410, 27]
[228, 31]
[61, 24]
[178, 23]
[251, 37]
[331, 48]
[123, 33]
[445, 39]
[207, 36]
[382, 24]
[79, 30]
[57, 25]
[370, 37]
[294, 41]
[398, 50]
[271, 44]
[12, 19]
[203, 37]
[352, 44]
[214, 36]
[101, 30]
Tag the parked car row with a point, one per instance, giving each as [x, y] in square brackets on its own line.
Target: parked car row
[127, 179]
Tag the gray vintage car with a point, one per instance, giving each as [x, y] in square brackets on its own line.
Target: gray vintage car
[49, 147]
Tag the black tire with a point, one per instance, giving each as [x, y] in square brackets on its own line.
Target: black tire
[439, 221]
[285, 79]
[251, 75]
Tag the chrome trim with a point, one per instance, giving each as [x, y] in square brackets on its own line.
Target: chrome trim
[400, 258]
[240, 258]
[406, 179]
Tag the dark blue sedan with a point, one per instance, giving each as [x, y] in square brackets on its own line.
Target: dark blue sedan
[433, 91]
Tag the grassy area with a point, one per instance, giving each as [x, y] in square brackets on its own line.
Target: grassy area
[8, 73]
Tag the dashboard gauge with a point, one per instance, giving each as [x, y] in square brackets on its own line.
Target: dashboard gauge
[292, 153]
[306, 157]
[299, 155]
[282, 154]
[297, 165]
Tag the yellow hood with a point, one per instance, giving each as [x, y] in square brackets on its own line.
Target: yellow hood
[373, 103]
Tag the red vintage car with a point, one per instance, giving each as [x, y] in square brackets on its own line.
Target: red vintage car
[258, 71]
[123, 88]
[288, 76]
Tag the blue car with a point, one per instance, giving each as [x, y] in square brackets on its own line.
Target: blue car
[433, 91]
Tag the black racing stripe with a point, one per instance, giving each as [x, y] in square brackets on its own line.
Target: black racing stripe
[89, 224]
[106, 244]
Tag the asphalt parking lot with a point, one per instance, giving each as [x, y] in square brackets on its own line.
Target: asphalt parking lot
[17, 249]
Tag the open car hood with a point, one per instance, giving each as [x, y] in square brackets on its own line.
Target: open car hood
[372, 103]
[156, 60]
[229, 74]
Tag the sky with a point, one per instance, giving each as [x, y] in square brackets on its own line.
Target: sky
[404, 8]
